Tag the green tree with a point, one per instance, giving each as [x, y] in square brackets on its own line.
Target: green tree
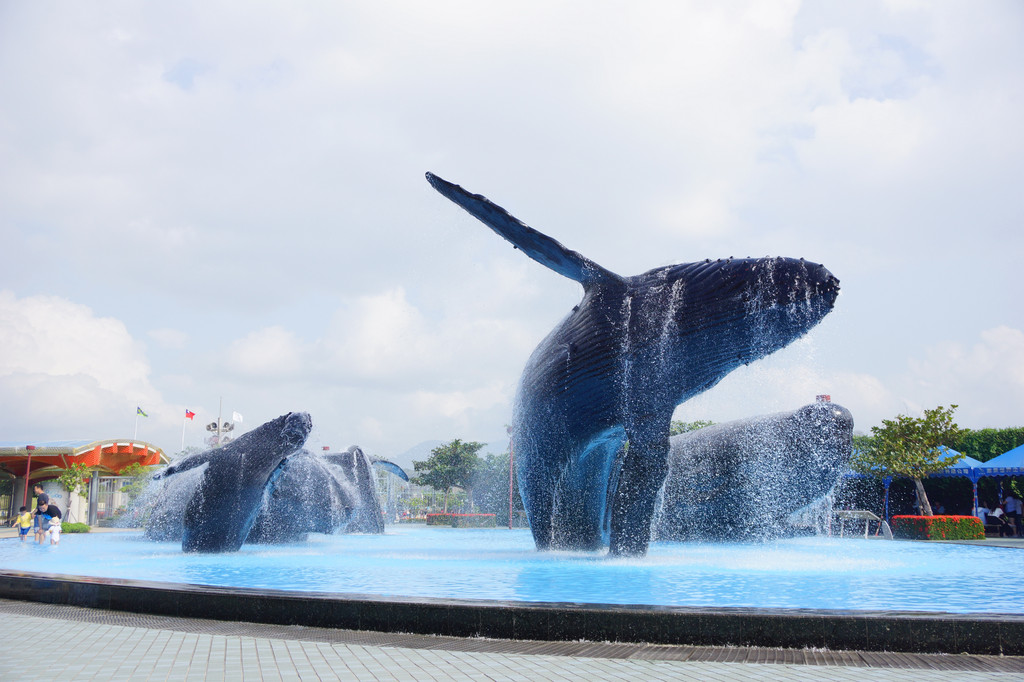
[862, 442]
[909, 446]
[450, 465]
[678, 427]
[72, 479]
[140, 479]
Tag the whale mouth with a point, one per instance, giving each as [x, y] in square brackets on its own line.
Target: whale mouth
[827, 288]
[297, 426]
[786, 281]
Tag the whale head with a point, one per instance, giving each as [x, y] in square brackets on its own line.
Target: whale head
[699, 321]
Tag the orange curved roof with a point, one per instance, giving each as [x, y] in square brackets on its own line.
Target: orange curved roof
[111, 456]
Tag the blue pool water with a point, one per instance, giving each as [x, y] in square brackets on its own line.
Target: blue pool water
[417, 561]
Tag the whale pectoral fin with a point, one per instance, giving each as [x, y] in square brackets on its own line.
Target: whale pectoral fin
[642, 475]
[536, 245]
[190, 462]
[390, 466]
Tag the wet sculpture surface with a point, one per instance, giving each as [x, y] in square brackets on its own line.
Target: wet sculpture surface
[263, 487]
[743, 479]
[322, 494]
[621, 361]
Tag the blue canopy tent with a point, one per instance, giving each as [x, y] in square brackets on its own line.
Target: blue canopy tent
[1010, 463]
[966, 466]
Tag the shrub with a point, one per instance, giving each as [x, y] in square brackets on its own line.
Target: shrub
[461, 520]
[937, 528]
[74, 528]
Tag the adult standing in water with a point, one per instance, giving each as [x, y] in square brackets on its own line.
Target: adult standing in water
[41, 499]
[46, 511]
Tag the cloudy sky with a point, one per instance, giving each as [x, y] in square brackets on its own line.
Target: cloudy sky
[206, 201]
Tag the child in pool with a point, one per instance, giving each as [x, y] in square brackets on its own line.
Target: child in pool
[24, 522]
[53, 532]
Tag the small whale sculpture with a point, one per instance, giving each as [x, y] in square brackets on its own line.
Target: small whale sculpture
[264, 487]
[323, 493]
[620, 362]
[221, 511]
[743, 479]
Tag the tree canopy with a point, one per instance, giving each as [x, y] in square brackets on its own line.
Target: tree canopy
[909, 446]
[984, 444]
[450, 465]
[73, 478]
[139, 475]
[981, 444]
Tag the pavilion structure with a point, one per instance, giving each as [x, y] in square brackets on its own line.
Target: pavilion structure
[32, 463]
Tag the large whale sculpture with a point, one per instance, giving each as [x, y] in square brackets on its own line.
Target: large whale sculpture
[617, 366]
[743, 479]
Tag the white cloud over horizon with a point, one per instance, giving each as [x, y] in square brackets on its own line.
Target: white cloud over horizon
[70, 373]
[230, 205]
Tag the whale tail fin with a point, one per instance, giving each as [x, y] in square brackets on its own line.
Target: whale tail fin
[536, 245]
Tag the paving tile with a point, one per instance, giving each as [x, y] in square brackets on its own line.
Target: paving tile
[102, 647]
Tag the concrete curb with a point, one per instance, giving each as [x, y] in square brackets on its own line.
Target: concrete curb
[912, 632]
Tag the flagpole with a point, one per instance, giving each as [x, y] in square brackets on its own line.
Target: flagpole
[136, 436]
[183, 421]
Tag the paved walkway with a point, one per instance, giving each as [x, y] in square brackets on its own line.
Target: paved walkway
[91, 644]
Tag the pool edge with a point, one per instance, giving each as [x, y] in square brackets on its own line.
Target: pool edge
[910, 632]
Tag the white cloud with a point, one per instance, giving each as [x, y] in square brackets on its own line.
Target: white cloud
[47, 335]
[459, 404]
[66, 373]
[173, 339]
[986, 378]
[270, 353]
[866, 141]
[383, 335]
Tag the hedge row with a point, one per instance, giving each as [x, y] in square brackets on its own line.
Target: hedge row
[75, 528]
[462, 520]
[937, 528]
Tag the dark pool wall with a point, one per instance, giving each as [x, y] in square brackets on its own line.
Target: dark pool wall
[798, 628]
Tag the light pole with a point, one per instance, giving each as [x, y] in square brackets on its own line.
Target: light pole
[28, 470]
[217, 428]
[511, 460]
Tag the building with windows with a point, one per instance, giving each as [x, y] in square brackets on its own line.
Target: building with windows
[24, 465]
